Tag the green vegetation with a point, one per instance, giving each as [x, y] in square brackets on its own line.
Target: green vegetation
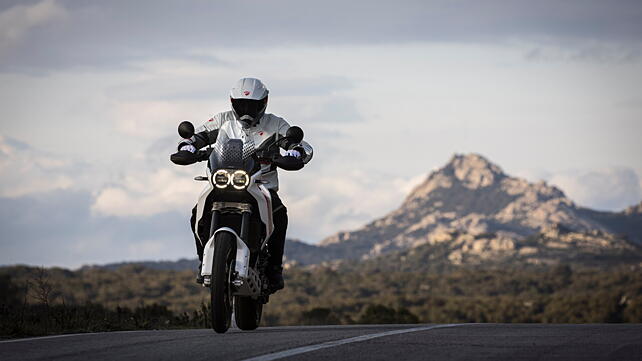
[35, 301]
[553, 295]
[36, 309]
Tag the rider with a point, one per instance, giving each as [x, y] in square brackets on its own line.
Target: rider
[249, 99]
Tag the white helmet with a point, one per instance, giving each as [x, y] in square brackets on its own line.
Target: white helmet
[249, 98]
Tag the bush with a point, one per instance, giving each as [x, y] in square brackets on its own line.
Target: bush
[379, 314]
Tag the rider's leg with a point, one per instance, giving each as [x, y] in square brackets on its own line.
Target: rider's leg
[276, 243]
[199, 246]
[277, 240]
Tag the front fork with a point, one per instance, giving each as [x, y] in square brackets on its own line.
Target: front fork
[240, 268]
[245, 223]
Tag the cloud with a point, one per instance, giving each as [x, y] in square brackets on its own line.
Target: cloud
[337, 109]
[18, 20]
[151, 249]
[55, 211]
[25, 170]
[150, 184]
[58, 228]
[322, 203]
[599, 53]
[606, 189]
[323, 112]
[148, 193]
[289, 86]
[148, 119]
[118, 34]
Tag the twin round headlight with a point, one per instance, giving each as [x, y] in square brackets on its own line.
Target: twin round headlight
[239, 179]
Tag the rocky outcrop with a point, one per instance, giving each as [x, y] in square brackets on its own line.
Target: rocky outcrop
[478, 210]
[633, 210]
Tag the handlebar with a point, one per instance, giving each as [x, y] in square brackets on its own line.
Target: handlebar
[289, 163]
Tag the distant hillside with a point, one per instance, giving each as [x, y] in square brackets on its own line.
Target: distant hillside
[179, 265]
[304, 253]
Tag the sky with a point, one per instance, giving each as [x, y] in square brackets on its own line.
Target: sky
[91, 93]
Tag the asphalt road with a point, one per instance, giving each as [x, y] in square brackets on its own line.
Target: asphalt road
[380, 342]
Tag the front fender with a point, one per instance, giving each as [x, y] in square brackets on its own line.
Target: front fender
[242, 254]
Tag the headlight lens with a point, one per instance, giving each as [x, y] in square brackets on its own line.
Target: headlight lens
[240, 179]
[221, 178]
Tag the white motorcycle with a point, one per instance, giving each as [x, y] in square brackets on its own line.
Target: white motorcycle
[235, 254]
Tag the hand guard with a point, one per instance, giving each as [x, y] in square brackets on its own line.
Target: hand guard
[185, 157]
[288, 162]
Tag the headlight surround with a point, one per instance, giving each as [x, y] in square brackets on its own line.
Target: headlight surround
[221, 178]
[240, 179]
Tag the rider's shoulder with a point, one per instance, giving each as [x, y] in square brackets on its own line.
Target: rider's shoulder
[272, 118]
[217, 120]
[224, 116]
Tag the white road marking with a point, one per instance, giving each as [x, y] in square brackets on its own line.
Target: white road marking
[66, 335]
[319, 346]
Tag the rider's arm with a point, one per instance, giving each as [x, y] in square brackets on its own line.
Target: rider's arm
[203, 135]
[304, 148]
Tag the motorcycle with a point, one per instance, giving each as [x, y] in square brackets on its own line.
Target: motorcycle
[235, 253]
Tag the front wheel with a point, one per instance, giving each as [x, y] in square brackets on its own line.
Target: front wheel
[247, 313]
[221, 291]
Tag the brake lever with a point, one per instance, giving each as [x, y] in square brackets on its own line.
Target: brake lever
[202, 155]
[263, 159]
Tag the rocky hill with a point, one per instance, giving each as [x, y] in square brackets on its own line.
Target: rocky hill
[476, 213]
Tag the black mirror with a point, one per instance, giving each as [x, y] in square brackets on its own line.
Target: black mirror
[186, 129]
[294, 134]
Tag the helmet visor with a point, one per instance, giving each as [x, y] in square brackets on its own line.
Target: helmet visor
[249, 107]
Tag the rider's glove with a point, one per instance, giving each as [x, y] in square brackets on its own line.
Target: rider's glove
[293, 153]
[190, 148]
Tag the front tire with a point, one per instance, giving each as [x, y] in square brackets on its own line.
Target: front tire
[247, 313]
[221, 290]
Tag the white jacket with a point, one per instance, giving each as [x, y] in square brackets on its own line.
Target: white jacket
[269, 125]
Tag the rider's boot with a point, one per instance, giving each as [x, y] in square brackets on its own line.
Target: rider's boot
[275, 276]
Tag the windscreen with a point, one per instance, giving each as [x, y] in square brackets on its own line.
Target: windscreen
[233, 149]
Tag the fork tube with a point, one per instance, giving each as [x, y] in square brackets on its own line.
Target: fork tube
[214, 223]
[245, 225]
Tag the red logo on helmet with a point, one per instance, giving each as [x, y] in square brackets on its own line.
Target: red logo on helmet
[246, 93]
